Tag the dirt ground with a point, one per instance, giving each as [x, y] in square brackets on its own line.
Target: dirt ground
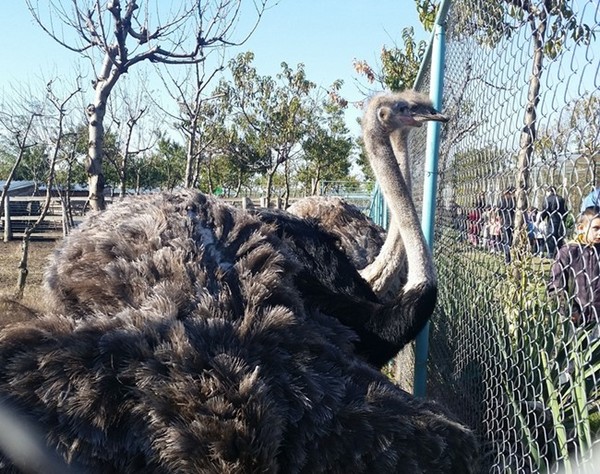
[10, 256]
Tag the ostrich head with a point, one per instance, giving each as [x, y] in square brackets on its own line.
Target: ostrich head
[388, 120]
[405, 110]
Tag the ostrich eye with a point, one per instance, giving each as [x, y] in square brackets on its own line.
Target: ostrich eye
[401, 107]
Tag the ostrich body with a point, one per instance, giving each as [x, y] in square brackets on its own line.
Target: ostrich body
[180, 343]
[359, 237]
[181, 339]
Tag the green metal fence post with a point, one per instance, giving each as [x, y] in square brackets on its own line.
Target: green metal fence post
[436, 88]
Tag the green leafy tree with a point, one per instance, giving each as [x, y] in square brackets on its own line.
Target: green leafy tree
[112, 155]
[327, 159]
[244, 158]
[328, 148]
[34, 166]
[163, 169]
[277, 109]
[400, 64]
[71, 168]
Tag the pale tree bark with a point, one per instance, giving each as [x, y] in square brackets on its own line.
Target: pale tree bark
[112, 29]
[95, 113]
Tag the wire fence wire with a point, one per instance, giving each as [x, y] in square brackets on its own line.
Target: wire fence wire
[510, 357]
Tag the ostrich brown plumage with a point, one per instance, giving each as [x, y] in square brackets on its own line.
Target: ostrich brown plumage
[358, 236]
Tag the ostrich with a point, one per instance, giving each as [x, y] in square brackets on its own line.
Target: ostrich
[413, 110]
[327, 235]
[178, 341]
[360, 238]
[181, 339]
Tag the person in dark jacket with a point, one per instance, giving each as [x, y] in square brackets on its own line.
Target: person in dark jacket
[554, 213]
[576, 271]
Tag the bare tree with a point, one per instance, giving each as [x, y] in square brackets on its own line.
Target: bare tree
[17, 123]
[135, 134]
[121, 34]
[54, 144]
[189, 92]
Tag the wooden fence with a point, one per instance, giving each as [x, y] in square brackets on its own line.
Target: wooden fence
[21, 212]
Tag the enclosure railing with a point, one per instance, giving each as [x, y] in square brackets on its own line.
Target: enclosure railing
[507, 352]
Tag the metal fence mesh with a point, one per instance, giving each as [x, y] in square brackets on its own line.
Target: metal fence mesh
[511, 359]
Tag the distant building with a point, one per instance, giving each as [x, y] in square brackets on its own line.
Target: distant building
[19, 188]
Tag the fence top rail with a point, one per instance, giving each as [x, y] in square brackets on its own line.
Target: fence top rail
[43, 198]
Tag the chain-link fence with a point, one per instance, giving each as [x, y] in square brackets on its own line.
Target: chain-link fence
[513, 351]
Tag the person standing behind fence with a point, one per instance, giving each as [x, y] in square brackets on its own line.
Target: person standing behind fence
[592, 199]
[535, 235]
[540, 231]
[554, 212]
[576, 272]
[506, 210]
[496, 231]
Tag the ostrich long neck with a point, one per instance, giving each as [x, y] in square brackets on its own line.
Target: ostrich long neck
[399, 141]
[390, 162]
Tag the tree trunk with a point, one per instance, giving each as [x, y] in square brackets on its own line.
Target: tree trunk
[286, 197]
[122, 178]
[529, 134]
[23, 270]
[196, 174]
[191, 154]
[316, 182]
[95, 114]
[68, 194]
[269, 186]
[238, 188]
[137, 182]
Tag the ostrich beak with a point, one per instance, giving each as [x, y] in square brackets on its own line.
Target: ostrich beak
[430, 116]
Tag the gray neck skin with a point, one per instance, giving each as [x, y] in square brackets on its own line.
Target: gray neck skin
[390, 162]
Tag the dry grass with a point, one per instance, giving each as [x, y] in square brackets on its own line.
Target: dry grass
[10, 256]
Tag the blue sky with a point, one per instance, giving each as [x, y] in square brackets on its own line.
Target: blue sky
[325, 35]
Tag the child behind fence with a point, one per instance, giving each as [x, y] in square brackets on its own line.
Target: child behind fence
[576, 272]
